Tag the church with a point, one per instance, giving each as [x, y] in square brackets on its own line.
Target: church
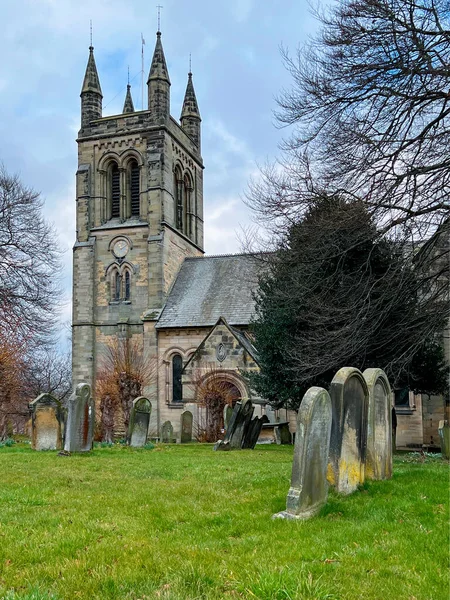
[139, 270]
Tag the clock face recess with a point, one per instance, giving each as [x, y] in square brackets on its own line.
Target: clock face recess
[120, 248]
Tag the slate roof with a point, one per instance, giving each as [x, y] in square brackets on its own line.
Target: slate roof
[211, 287]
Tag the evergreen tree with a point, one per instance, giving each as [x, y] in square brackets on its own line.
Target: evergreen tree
[336, 294]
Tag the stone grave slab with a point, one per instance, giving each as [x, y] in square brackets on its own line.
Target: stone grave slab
[46, 423]
[349, 402]
[379, 426]
[243, 418]
[140, 414]
[186, 427]
[167, 432]
[309, 486]
[253, 430]
[80, 420]
[444, 438]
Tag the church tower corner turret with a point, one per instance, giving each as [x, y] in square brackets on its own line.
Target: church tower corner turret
[91, 93]
[159, 85]
[190, 115]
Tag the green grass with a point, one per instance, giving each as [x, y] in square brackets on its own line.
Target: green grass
[185, 523]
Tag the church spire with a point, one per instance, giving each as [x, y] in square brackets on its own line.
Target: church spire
[128, 106]
[190, 114]
[91, 81]
[159, 84]
[91, 93]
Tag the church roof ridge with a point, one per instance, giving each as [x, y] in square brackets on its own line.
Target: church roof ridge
[227, 255]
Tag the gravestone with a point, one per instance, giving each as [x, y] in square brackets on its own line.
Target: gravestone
[444, 437]
[139, 421]
[186, 427]
[80, 420]
[379, 426]
[167, 432]
[282, 434]
[243, 419]
[253, 430]
[227, 412]
[349, 403]
[46, 421]
[309, 486]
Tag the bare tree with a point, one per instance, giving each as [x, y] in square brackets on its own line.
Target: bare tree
[29, 264]
[13, 398]
[122, 375]
[49, 370]
[370, 106]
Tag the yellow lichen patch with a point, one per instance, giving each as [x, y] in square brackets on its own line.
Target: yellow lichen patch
[330, 474]
[350, 472]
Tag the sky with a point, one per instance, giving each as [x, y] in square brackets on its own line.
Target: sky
[237, 71]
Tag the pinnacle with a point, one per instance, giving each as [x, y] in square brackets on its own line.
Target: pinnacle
[91, 81]
[128, 106]
[190, 106]
[158, 69]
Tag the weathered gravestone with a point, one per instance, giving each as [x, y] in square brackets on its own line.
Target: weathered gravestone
[239, 421]
[349, 403]
[227, 412]
[444, 437]
[309, 486]
[46, 423]
[80, 420]
[139, 421]
[167, 432]
[379, 425]
[253, 430]
[186, 427]
[242, 421]
[282, 434]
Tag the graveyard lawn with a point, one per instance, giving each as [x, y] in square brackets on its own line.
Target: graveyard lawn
[181, 522]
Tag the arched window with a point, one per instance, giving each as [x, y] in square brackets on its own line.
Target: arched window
[188, 205]
[178, 189]
[127, 285]
[134, 188]
[120, 282]
[115, 285]
[177, 388]
[115, 190]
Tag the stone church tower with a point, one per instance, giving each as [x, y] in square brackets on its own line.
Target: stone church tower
[139, 197]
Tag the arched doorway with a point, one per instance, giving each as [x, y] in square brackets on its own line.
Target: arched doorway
[213, 394]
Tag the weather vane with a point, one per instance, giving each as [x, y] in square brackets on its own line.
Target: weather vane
[91, 30]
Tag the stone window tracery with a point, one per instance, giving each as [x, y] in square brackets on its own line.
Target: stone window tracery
[120, 283]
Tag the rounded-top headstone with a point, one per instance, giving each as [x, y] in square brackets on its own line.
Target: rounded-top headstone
[379, 425]
[349, 400]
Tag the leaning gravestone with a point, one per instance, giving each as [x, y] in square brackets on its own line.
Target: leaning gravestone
[232, 424]
[242, 422]
[139, 421]
[46, 421]
[309, 486]
[186, 427]
[227, 412]
[80, 420]
[349, 403]
[379, 426]
[253, 430]
[167, 432]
